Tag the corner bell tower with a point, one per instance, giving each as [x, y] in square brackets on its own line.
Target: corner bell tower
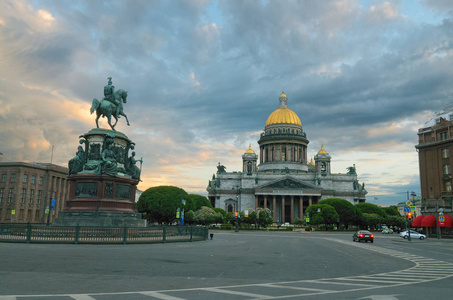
[322, 162]
[249, 161]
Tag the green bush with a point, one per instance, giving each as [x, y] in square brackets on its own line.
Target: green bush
[226, 227]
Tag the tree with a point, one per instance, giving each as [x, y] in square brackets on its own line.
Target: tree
[346, 211]
[196, 202]
[220, 211]
[161, 203]
[369, 220]
[263, 217]
[207, 215]
[326, 215]
[370, 208]
[395, 222]
[189, 217]
[391, 211]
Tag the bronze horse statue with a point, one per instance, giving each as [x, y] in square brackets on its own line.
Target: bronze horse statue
[108, 109]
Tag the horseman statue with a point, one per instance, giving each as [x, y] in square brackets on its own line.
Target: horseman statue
[111, 105]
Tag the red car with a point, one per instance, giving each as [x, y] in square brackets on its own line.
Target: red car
[362, 235]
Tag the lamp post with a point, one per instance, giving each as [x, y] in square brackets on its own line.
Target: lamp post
[238, 206]
[440, 212]
[183, 203]
[52, 206]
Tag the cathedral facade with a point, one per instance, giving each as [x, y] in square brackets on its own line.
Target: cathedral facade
[284, 181]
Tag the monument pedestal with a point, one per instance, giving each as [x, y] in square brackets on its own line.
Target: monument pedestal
[99, 219]
[103, 183]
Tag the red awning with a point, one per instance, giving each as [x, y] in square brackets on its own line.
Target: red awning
[428, 221]
[447, 223]
[418, 221]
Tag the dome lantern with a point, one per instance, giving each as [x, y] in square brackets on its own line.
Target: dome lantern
[283, 115]
[283, 99]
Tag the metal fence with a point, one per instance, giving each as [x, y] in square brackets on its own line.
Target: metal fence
[33, 233]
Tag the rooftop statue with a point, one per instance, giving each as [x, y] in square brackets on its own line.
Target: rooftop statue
[351, 170]
[110, 105]
[221, 168]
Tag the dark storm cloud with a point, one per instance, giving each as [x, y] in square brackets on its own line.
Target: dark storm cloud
[207, 74]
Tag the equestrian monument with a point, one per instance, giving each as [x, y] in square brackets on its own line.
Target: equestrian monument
[104, 173]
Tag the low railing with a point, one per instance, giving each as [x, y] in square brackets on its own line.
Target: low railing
[32, 233]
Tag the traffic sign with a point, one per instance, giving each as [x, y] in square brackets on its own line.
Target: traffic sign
[47, 211]
[13, 212]
[307, 220]
[407, 209]
[441, 219]
[408, 203]
[414, 208]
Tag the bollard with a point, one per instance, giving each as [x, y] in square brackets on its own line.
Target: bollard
[211, 235]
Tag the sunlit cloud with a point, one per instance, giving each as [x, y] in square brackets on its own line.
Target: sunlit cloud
[362, 76]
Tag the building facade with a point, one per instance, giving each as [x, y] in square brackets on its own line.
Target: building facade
[285, 181]
[26, 190]
[435, 150]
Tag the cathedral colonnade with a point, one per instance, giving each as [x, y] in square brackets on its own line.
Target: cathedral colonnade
[285, 208]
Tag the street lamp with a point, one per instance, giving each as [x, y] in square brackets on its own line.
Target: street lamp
[52, 206]
[440, 213]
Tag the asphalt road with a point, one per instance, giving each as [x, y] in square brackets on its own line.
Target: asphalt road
[244, 265]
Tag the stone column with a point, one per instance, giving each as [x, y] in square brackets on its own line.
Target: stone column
[292, 209]
[310, 200]
[256, 201]
[301, 207]
[283, 209]
[274, 208]
[265, 201]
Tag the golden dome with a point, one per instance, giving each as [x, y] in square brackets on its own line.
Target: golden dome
[283, 115]
[283, 94]
[250, 150]
[312, 162]
[322, 151]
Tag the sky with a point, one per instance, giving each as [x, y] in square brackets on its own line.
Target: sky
[203, 76]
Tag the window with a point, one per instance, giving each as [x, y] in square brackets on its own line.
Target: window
[13, 177]
[445, 153]
[22, 196]
[32, 195]
[25, 178]
[447, 186]
[2, 195]
[41, 179]
[11, 195]
[443, 136]
[39, 197]
[447, 170]
[33, 179]
[4, 177]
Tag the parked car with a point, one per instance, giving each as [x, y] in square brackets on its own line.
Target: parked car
[387, 231]
[362, 235]
[414, 235]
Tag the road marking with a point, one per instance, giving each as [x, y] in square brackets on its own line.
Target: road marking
[160, 296]
[291, 287]
[219, 290]
[81, 297]
[424, 270]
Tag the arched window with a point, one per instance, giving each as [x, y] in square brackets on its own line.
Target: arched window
[230, 208]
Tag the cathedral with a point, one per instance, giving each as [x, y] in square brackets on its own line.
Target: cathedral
[284, 181]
